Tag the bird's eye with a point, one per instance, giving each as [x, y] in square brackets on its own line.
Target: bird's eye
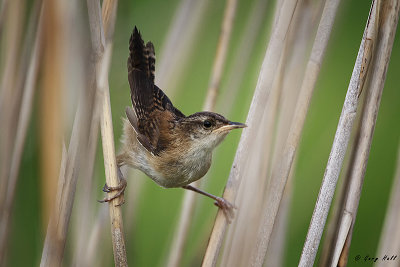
[207, 124]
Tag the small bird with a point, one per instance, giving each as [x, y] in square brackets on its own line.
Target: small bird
[174, 150]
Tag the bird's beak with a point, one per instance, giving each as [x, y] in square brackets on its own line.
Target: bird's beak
[230, 126]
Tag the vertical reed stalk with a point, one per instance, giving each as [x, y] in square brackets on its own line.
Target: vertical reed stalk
[302, 32]
[220, 57]
[10, 93]
[389, 243]
[241, 59]
[22, 127]
[340, 142]
[260, 98]
[3, 8]
[382, 41]
[54, 246]
[189, 199]
[101, 43]
[242, 240]
[85, 229]
[57, 230]
[86, 193]
[282, 169]
[51, 106]
[180, 43]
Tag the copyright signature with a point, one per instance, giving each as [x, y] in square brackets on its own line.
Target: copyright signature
[368, 258]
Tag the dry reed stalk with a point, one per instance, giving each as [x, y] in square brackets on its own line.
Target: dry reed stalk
[10, 93]
[110, 161]
[49, 253]
[181, 37]
[133, 190]
[248, 39]
[260, 98]
[3, 9]
[95, 239]
[189, 199]
[22, 127]
[231, 89]
[59, 222]
[58, 226]
[109, 15]
[340, 142]
[220, 57]
[332, 228]
[235, 240]
[388, 14]
[276, 127]
[250, 196]
[281, 170]
[275, 254]
[86, 229]
[51, 123]
[331, 232]
[301, 37]
[389, 243]
[300, 41]
[19, 103]
[241, 237]
[102, 50]
[86, 193]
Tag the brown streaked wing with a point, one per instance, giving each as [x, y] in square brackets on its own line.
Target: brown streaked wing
[149, 102]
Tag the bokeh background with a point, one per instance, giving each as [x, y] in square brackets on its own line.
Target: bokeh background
[150, 211]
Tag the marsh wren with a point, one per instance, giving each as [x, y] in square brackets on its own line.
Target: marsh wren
[174, 150]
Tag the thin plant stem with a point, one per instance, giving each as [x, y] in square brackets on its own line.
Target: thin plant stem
[242, 58]
[282, 169]
[180, 37]
[260, 98]
[85, 229]
[189, 199]
[332, 230]
[301, 36]
[3, 8]
[22, 127]
[382, 41]
[23, 122]
[58, 226]
[10, 92]
[101, 44]
[220, 57]
[340, 142]
[389, 243]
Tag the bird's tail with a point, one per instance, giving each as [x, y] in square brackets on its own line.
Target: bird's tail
[141, 57]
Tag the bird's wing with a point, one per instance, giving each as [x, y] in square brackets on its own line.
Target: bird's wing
[152, 108]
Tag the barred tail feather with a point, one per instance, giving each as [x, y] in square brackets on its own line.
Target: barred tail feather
[138, 55]
[151, 59]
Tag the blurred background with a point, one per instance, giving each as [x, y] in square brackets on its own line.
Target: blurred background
[151, 212]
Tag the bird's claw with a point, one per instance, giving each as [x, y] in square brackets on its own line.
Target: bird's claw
[226, 207]
[120, 188]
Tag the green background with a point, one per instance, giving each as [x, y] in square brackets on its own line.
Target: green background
[148, 238]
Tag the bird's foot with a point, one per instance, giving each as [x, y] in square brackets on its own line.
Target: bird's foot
[120, 189]
[226, 207]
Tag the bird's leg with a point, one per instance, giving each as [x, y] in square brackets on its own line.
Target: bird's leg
[120, 188]
[220, 202]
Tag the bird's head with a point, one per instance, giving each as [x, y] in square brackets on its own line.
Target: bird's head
[207, 129]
